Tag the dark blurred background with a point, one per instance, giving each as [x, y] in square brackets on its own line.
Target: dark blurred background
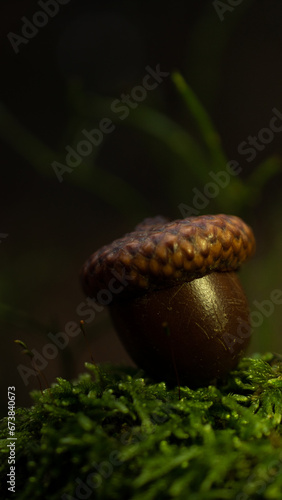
[63, 79]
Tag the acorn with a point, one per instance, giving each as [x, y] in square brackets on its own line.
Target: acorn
[180, 310]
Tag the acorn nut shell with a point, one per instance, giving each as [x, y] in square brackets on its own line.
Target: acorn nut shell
[180, 312]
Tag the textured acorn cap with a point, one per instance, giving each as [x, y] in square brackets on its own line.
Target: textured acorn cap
[159, 254]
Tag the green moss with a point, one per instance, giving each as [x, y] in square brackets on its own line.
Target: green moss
[113, 435]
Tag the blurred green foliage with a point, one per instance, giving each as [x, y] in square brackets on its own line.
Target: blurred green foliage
[192, 159]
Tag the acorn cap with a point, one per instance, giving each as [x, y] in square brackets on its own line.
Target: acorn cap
[160, 254]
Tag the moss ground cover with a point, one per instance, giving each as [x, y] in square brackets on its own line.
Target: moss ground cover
[112, 434]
